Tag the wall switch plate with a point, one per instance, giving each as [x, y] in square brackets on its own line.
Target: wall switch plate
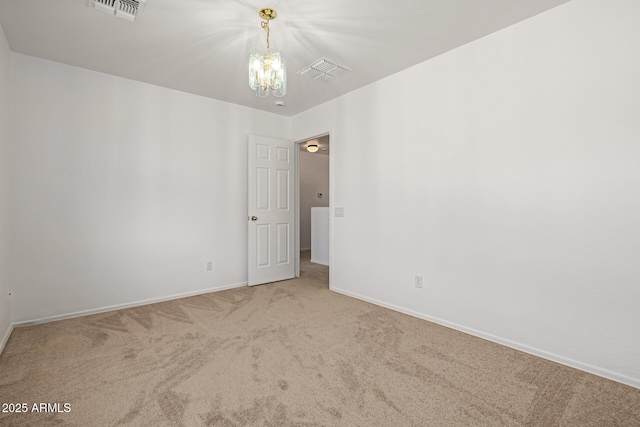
[339, 212]
[209, 265]
[418, 282]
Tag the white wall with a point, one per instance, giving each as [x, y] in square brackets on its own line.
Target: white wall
[5, 92]
[505, 172]
[123, 190]
[314, 179]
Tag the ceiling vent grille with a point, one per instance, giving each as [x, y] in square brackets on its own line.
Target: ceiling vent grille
[125, 9]
[324, 70]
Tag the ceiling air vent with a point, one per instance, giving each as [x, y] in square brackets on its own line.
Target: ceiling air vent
[324, 70]
[125, 9]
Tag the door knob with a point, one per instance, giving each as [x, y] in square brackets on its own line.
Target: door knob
[254, 218]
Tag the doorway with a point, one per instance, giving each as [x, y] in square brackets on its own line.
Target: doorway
[313, 203]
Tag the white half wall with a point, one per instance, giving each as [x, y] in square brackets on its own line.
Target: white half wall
[123, 190]
[506, 173]
[320, 235]
[5, 96]
[314, 179]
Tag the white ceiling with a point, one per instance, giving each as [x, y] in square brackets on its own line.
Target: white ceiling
[201, 46]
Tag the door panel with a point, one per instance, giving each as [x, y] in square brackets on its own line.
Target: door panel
[284, 191]
[263, 189]
[263, 152]
[283, 244]
[283, 155]
[262, 245]
[271, 213]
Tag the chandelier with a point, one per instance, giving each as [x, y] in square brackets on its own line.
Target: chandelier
[267, 69]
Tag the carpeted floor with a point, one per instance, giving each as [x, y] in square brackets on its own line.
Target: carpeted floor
[290, 354]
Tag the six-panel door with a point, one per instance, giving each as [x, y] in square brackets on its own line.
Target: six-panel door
[271, 213]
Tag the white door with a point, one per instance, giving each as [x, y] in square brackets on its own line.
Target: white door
[271, 210]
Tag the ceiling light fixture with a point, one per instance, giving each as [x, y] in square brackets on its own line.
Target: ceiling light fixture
[267, 69]
[312, 148]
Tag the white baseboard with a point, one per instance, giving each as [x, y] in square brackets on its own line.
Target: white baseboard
[319, 262]
[126, 305]
[5, 338]
[605, 373]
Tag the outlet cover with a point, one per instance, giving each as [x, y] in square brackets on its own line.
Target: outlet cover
[418, 282]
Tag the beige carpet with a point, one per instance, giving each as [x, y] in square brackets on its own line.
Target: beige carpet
[290, 354]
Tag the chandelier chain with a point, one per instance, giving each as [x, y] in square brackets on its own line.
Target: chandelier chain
[265, 25]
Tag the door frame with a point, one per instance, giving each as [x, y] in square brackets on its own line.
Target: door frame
[298, 141]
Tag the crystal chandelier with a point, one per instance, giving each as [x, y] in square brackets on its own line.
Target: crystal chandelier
[267, 69]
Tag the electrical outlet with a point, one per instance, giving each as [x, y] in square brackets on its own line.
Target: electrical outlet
[339, 212]
[209, 265]
[418, 282]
